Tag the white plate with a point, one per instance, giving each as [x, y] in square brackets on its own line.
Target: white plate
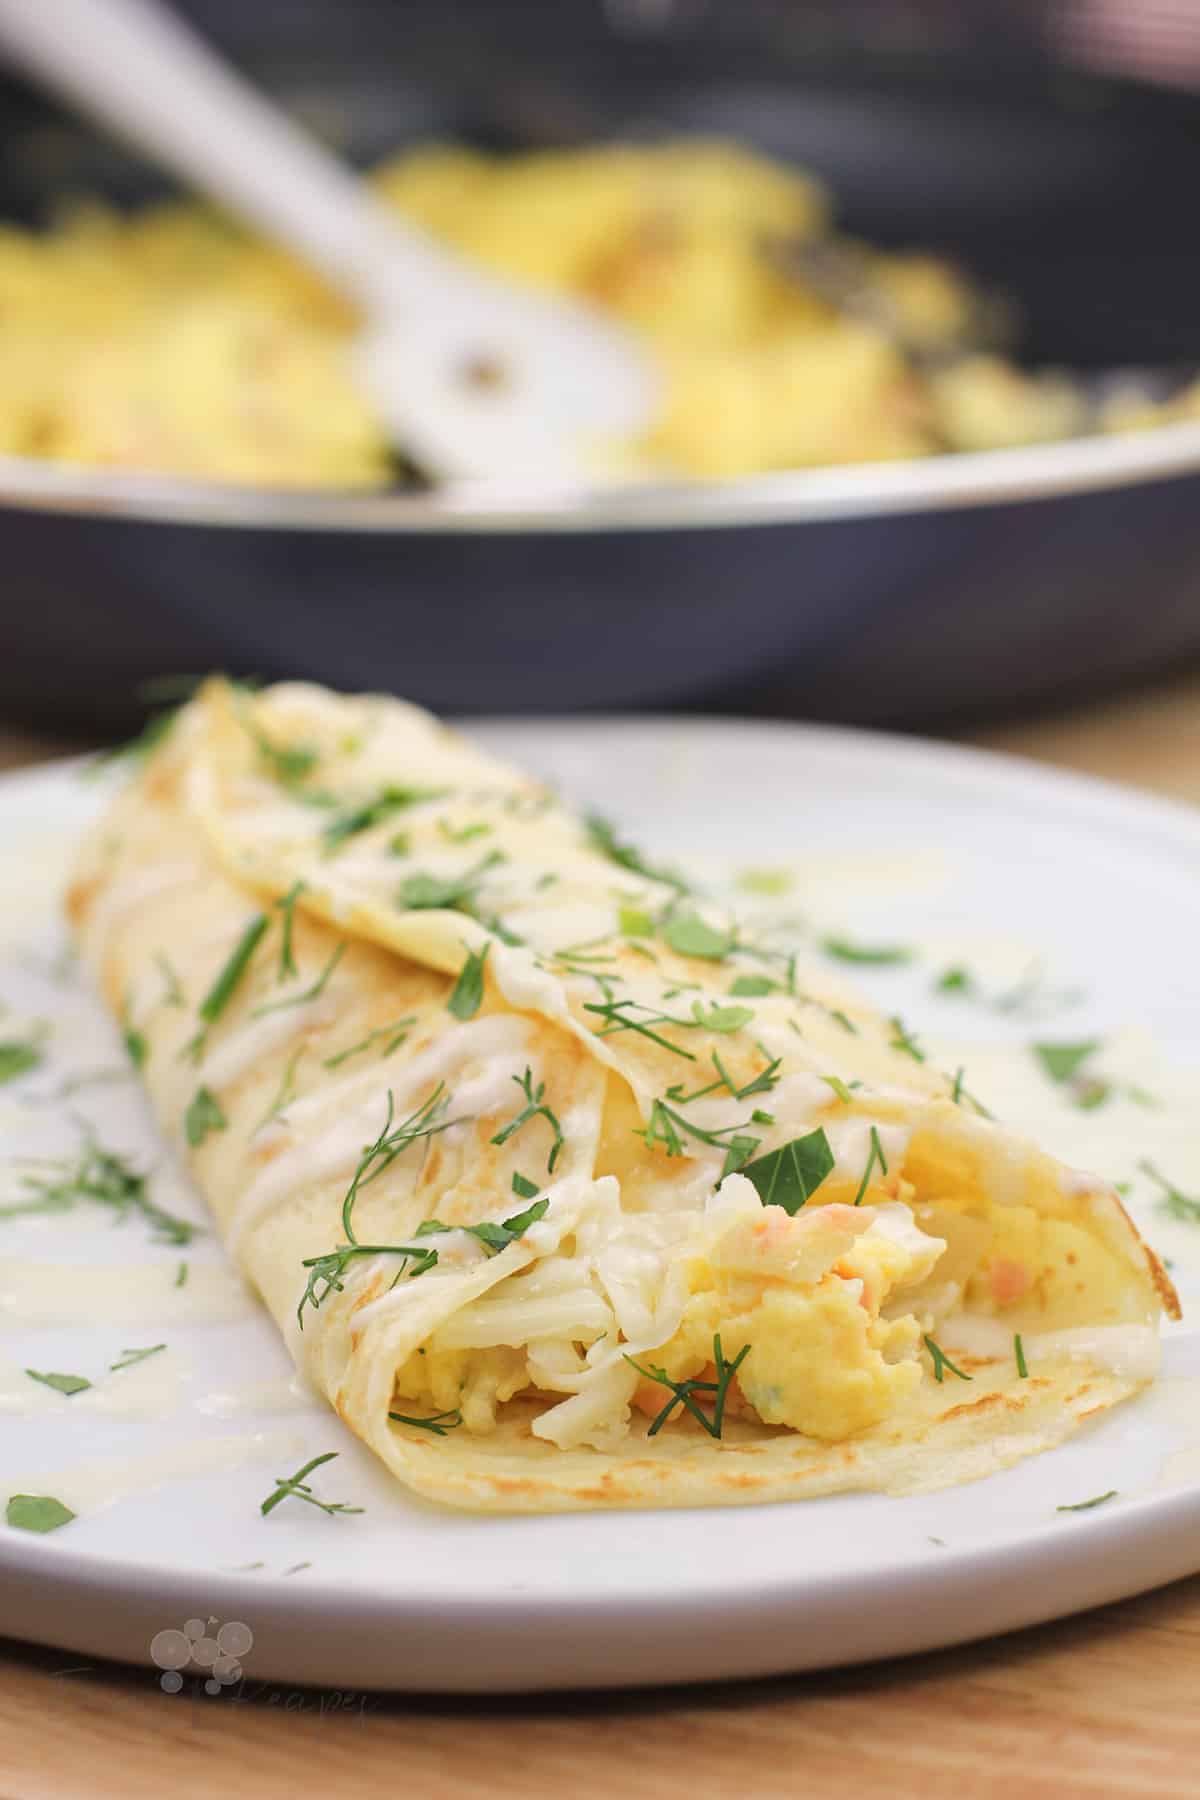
[973, 858]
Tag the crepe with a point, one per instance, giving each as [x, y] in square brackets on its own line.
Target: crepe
[565, 1188]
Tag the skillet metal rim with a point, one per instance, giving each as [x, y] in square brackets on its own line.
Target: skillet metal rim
[802, 496]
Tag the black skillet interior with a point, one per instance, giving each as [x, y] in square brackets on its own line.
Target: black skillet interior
[1068, 194]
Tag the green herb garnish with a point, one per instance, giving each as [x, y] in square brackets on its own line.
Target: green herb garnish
[286, 905]
[602, 837]
[466, 996]
[313, 992]
[393, 1036]
[227, 980]
[129, 1357]
[690, 935]
[368, 813]
[875, 1159]
[463, 834]
[722, 1018]
[499, 1237]
[535, 1107]
[792, 1174]
[955, 981]
[523, 1187]
[326, 1272]
[62, 1384]
[682, 1392]
[181, 1275]
[295, 1486]
[753, 986]
[616, 1015]
[843, 950]
[905, 1042]
[438, 1423]
[1063, 1061]
[941, 1362]
[173, 994]
[18, 1057]
[448, 893]
[1019, 1354]
[1174, 1201]
[634, 923]
[103, 1177]
[203, 1115]
[1087, 1505]
[37, 1512]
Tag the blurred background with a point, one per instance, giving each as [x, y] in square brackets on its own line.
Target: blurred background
[919, 275]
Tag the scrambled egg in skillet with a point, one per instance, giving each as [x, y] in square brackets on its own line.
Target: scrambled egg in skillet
[170, 341]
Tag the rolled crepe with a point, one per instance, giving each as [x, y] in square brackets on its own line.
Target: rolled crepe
[565, 1188]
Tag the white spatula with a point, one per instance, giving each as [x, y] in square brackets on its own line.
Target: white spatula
[475, 379]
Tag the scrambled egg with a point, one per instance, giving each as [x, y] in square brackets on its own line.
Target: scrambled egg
[171, 341]
[804, 1294]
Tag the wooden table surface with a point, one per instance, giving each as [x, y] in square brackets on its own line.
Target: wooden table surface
[1105, 1704]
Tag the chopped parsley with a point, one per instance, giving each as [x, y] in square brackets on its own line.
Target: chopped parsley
[958, 1094]
[422, 892]
[438, 1423]
[523, 1187]
[286, 905]
[204, 1115]
[392, 1036]
[387, 802]
[722, 1018]
[463, 834]
[172, 994]
[752, 987]
[1174, 1202]
[875, 1160]
[285, 1093]
[18, 1057]
[228, 977]
[181, 1275]
[941, 1362]
[130, 1357]
[312, 992]
[1062, 1062]
[1087, 1505]
[616, 1015]
[791, 1175]
[466, 996]
[840, 1089]
[101, 1176]
[602, 836]
[690, 935]
[905, 1042]
[62, 1384]
[295, 1487]
[683, 1392]
[326, 1273]
[535, 1107]
[772, 884]
[1019, 1357]
[880, 955]
[956, 980]
[635, 923]
[37, 1512]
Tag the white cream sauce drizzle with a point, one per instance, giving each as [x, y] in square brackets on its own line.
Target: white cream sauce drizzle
[39, 1293]
[257, 1038]
[90, 1487]
[150, 1388]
